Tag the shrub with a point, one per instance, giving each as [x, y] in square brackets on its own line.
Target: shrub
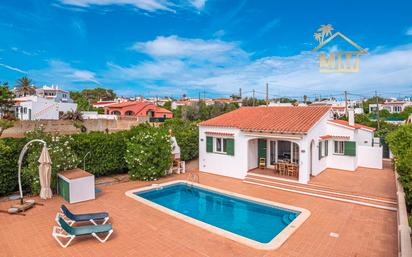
[9, 154]
[148, 153]
[400, 143]
[187, 137]
[107, 152]
[61, 154]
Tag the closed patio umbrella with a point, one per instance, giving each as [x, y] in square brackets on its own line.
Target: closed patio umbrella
[45, 174]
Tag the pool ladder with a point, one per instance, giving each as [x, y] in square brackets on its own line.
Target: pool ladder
[193, 177]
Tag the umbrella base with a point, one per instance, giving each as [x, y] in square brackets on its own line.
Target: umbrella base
[25, 206]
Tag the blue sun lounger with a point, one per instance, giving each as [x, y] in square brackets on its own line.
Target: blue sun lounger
[71, 218]
[67, 231]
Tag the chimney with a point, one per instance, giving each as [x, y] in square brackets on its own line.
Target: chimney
[351, 117]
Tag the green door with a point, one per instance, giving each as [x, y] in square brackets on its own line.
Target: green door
[64, 189]
[261, 149]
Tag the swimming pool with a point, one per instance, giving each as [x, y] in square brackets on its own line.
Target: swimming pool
[255, 222]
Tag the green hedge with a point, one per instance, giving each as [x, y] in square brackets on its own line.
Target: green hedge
[400, 143]
[107, 152]
[9, 154]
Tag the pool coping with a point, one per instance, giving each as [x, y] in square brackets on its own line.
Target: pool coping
[275, 243]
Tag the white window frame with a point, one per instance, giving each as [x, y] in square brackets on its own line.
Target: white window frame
[342, 147]
[323, 149]
[223, 142]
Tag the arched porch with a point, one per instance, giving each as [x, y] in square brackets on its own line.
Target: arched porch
[274, 157]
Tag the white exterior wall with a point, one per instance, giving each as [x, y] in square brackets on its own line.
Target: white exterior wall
[305, 170]
[38, 108]
[371, 157]
[339, 161]
[221, 164]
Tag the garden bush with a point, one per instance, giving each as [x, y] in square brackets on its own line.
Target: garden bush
[148, 153]
[107, 152]
[9, 154]
[400, 143]
[187, 137]
[62, 157]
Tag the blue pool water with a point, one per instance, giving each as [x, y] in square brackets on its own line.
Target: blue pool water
[256, 221]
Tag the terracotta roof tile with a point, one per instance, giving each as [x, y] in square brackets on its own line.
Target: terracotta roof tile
[162, 110]
[297, 119]
[356, 126]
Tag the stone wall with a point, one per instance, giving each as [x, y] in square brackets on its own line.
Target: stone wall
[67, 126]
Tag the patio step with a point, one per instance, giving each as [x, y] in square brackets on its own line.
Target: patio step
[321, 192]
[319, 187]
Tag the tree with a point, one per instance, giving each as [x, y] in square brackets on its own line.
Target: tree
[93, 95]
[6, 99]
[168, 105]
[24, 86]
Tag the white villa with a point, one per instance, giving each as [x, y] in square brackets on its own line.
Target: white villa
[49, 103]
[294, 142]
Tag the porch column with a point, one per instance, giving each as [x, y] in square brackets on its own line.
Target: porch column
[304, 155]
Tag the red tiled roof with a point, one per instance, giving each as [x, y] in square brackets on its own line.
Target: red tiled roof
[338, 107]
[219, 133]
[331, 136]
[123, 104]
[356, 126]
[162, 110]
[298, 119]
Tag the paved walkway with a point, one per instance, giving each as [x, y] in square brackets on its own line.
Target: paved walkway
[144, 231]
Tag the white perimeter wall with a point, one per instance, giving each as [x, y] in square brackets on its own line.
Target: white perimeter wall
[371, 157]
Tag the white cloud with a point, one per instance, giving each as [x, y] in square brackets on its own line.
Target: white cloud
[409, 32]
[185, 64]
[192, 49]
[12, 68]
[59, 72]
[199, 4]
[146, 5]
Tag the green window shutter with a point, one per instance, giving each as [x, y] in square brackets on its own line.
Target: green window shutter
[320, 150]
[261, 149]
[326, 147]
[350, 148]
[230, 146]
[209, 144]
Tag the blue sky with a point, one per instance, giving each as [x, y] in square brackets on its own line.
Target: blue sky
[171, 47]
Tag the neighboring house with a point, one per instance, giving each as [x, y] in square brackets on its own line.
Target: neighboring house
[146, 109]
[40, 108]
[340, 111]
[236, 142]
[392, 107]
[102, 104]
[54, 93]
[176, 104]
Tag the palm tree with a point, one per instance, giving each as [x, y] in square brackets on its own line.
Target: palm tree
[326, 30]
[24, 86]
[317, 36]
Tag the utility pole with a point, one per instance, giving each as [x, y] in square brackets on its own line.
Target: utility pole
[199, 96]
[377, 108]
[346, 104]
[204, 95]
[267, 94]
[253, 103]
[240, 93]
